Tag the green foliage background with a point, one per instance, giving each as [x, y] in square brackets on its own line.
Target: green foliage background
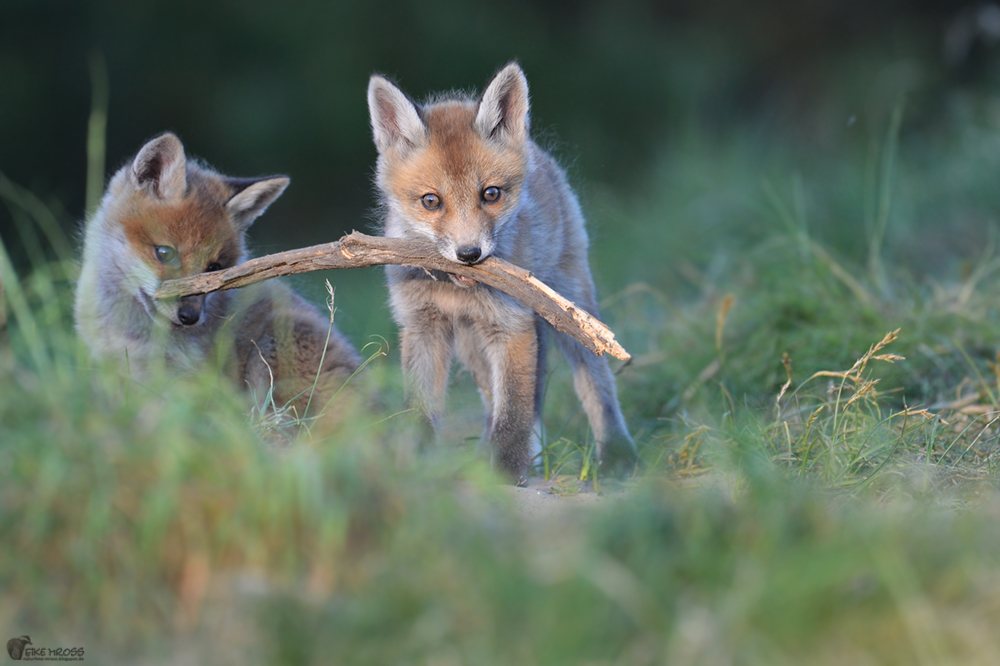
[622, 92]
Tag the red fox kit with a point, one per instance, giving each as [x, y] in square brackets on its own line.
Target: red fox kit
[464, 174]
[165, 216]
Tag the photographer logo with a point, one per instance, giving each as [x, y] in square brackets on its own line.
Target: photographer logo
[22, 649]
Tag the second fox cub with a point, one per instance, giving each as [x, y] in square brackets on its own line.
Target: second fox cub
[465, 174]
[165, 216]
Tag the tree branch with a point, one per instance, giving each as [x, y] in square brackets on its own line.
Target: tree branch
[357, 250]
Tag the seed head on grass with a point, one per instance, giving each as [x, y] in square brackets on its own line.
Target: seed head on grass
[786, 361]
[855, 374]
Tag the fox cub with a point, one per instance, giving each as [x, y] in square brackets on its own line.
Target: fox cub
[465, 174]
[166, 216]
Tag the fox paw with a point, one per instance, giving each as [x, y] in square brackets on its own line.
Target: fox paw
[619, 459]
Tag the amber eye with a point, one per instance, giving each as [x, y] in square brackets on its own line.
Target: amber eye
[165, 253]
[214, 266]
[431, 201]
[491, 194]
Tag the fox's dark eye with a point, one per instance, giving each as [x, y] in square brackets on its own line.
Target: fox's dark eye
[491, 194]
[214, 266]
[431, 201]
[165, 253]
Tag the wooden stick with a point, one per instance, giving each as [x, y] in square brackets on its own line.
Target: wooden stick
[357, 250]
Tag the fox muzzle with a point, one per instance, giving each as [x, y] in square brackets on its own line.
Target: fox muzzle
[189, 310]
[469, 254]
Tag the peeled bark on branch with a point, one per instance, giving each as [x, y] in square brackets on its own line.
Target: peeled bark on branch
[357, 250]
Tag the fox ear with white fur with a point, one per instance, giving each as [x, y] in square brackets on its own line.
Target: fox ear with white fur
[252, 197]
[161, 167]
[503, 109]
[395, 120]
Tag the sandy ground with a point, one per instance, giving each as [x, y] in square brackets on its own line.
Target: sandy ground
[542, 500]
[566, 495]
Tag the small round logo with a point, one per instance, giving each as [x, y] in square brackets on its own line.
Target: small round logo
[15, 647]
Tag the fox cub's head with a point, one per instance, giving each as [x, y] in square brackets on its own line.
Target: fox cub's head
[175, 217]
[453, 170]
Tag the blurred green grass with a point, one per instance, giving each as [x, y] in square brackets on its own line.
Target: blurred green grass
[782, 517]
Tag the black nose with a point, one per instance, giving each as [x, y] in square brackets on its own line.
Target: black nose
[189, 314]
[469, 253]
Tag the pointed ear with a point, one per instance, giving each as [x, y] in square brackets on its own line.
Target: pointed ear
[395, 120]
[160, 167]
[251, 198]
[503, 109]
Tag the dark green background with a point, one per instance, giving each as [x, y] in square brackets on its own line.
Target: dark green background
[262, 87]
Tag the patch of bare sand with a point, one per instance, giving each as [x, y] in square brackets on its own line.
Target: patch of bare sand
[542, 500]
[563, 496]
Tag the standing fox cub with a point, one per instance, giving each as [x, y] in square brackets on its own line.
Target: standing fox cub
[464, 174]
[165, 216]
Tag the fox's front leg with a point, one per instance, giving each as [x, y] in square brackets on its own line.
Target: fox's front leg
[426, 347]
[513, 357]
[469, 349]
